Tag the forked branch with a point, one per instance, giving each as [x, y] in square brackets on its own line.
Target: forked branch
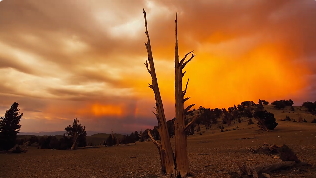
[184, 64]
[185, 56]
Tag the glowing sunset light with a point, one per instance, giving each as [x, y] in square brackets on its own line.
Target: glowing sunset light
[104, 110]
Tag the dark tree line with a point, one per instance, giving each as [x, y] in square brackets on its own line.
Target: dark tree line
[311, 107]
[74, 137]
[282, 103]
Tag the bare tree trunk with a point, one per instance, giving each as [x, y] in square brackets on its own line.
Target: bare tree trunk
[164, 147]
[74, 145]
[181, 152]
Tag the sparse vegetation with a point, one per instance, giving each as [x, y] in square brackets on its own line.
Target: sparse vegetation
[292, 108]
[250, 121]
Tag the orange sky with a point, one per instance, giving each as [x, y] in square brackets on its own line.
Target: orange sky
[65, 59]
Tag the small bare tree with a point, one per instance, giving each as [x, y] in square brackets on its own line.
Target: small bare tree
[168, 160]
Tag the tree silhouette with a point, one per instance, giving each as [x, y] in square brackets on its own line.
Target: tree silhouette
[75, 131]
[264, 102]
[266, 120]
[282, 103]
[310, 106]
[112, 140]
[9, 127]
[137, 136]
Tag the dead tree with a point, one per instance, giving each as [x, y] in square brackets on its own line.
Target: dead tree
[181, 153]
[181, 161]
[164, 147]
[74, 145]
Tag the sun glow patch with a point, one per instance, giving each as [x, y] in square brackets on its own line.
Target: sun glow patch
[103, 110]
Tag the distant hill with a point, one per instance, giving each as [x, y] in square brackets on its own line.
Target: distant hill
[98, 138]
[89, 133]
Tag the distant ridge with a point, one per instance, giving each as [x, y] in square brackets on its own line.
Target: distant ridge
[89, 133]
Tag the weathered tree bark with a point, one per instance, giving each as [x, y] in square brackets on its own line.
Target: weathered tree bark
[164, 147]
[181, 153]
[74, 145]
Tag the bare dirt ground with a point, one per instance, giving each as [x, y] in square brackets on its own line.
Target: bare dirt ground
[213, 154]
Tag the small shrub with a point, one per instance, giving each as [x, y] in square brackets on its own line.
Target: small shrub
[300, 119]
[266, 120]
[294, 120]
[304, 120]
[18, 149]
[310, 106]
[313, 121]
[250, 121]
[292, 108]
[287, 118]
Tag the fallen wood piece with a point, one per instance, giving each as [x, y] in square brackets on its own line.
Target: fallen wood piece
[283, 152]
[266, 169]
[263, 171]
[203, 154]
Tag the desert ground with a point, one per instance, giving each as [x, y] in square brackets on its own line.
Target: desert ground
[212, 154]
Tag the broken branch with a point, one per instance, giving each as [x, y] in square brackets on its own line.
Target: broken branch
[153, 140]
[186, 87]
[155, 114]
[185, 99]
[190, 123]
[183, 73]
[188, 108]
[150, 86]
[146, 24]
[146, 64]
